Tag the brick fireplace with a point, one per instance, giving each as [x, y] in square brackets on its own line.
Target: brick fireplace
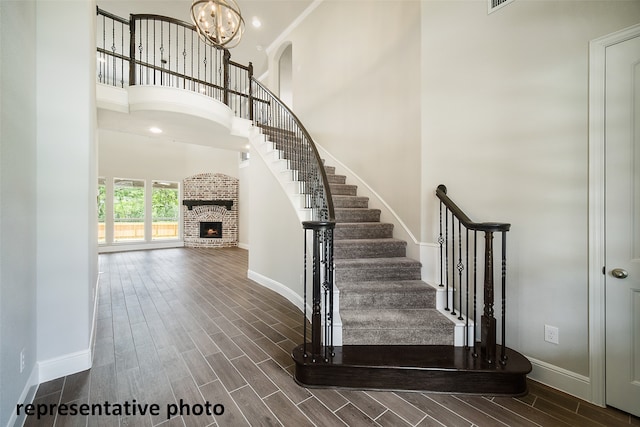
[210, 210]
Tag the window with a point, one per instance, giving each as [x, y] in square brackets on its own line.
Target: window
[102, 209]
[165, 210]
[128, 210]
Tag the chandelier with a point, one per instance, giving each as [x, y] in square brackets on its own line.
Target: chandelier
[218, 22]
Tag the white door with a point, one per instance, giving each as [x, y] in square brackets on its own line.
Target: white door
[622, 217]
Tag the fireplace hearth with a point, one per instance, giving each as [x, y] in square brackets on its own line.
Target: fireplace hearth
[210, 230]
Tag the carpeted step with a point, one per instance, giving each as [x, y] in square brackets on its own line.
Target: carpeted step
[330, 169]
[363, 230]
[369, 248]
[366, 269]
[401, 294]
[344, 189]
[396, 327]
[336, 179]
[350, 202]
[357, 215]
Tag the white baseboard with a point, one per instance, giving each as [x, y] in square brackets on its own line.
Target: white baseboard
[26, 397]
[139, 246]
[244, 246]
[64, 365]
[277, 287]
[559, 378]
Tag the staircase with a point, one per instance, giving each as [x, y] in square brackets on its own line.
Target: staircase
[393, 337]
[382, 299]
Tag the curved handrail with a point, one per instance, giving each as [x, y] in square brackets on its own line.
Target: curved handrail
[328, 200]
[441, 192]
[180, 22]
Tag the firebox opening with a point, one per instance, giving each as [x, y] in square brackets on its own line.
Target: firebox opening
[211, 230]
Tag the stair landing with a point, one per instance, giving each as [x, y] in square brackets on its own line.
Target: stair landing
[433, 368]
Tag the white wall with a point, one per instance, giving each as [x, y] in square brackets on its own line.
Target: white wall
[244, 204]
[276, 237]
[356, 89]
[505, 103]
[66, 160]
[17, 203]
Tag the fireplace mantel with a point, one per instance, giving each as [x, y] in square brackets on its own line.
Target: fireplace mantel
[191, 203]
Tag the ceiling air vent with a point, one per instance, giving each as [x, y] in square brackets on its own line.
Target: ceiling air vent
[497, 4]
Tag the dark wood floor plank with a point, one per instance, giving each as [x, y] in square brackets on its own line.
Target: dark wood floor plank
[398, 405]
[216, 394]
[284, 381]
[253, 408]
[529, 412]
[286, 411]
[485, 407]
[254, 376]
[364, 402]
[435, 410]
[199, 367]
[226, 372]
[354, 417]
[320, 414]
[390, 419]
[187, 393]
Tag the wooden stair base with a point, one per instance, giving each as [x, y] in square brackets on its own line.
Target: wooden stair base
[429, 368]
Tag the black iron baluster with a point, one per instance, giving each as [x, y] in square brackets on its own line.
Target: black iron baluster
[475, 291]
[503, 357]
[453, 260]
[466, 312]
[446, 259]
[460, 270]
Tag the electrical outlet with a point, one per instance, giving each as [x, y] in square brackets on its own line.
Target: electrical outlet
[22, 360]
[551, 334]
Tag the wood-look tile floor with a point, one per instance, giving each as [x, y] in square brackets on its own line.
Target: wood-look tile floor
[186, 326]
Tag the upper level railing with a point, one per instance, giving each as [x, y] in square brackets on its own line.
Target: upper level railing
[156, 50]
[459, 275]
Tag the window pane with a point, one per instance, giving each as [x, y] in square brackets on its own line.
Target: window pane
[165, 210]
[128, 210]
[102, 199]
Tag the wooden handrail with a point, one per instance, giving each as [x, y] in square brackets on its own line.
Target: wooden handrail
[441, 192]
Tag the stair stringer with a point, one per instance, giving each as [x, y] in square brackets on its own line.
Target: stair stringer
[286, 176]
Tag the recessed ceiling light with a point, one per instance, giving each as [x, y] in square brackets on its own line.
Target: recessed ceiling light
[256, 22]
[154, 129]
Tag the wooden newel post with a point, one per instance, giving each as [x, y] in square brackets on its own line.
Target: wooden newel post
[488, 321]
[225, 64]
[132, 51]
[322, 282]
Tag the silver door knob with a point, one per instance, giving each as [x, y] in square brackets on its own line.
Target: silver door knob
[619, 273]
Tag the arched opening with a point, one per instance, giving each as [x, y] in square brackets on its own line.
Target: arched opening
[285, 76]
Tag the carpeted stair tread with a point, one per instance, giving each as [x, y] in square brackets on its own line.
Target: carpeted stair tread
[336, 179]
[409, 294]
[357, 215]
[350, 202]
[364, 269]
[363, 230]
[396, 327]
[344, 189]
[369, 248]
